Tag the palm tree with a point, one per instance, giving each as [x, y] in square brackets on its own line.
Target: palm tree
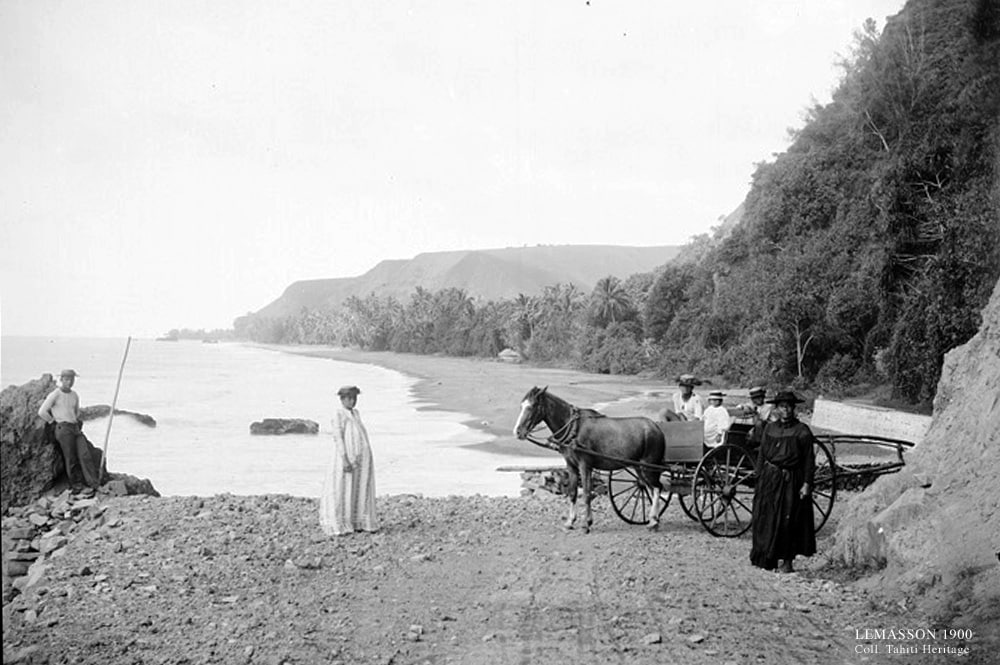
[610, 301]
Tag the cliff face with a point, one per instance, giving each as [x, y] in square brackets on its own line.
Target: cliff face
[933, 530]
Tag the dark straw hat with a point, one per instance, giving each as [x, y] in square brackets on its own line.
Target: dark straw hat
[785, 396]
[68, 372]
[349, 390]
[688, 380]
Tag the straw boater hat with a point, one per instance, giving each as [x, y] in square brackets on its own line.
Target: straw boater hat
[757, 390]
[68, 372]
[785, 396]
[349, 390]
[716, 394]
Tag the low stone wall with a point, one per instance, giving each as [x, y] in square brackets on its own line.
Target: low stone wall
[34, 534]
[852, 418]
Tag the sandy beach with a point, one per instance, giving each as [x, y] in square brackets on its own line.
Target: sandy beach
[491, 391]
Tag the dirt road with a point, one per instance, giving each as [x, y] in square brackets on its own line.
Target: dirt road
[460, 580]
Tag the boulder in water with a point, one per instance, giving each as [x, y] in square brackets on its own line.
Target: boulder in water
[102, 410]
[284, 426]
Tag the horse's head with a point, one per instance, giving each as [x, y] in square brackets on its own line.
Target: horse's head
[532, 412]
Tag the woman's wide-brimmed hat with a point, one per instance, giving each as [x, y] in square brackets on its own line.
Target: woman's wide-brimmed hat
[785, 396]
[688, 380]
[716, 394]
[349, 390]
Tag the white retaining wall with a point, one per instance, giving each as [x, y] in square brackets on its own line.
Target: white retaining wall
[849, 418]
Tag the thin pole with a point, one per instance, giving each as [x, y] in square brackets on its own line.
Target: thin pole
[111, 416]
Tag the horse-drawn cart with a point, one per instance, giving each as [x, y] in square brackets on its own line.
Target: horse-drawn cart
[714, 486]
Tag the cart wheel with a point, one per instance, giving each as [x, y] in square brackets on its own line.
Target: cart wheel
[688, 510]
[723, 487]
[630, 499]
[824, 485]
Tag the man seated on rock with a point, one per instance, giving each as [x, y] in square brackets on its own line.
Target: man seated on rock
[62, 407]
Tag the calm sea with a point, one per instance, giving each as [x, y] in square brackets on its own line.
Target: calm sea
[204, 397]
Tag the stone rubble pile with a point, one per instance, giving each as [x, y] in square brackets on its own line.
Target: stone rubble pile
[554, 482]
[35, 534]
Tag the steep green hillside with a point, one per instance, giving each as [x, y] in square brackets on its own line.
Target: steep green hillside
[868, 248]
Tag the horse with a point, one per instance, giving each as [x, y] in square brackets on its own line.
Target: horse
[589, 440]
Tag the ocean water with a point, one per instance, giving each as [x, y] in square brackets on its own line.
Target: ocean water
[204, 397]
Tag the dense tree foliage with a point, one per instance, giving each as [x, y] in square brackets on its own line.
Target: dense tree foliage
[865, 252]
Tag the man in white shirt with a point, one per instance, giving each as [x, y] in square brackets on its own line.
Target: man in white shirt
[717, 419]
[62, 407]
[686, 404]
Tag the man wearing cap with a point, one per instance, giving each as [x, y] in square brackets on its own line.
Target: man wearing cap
[716, 418]
[62, 407]
[686, 404]
[782, 501]
[348, 500]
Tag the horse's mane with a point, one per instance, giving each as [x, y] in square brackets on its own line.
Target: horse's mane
[587, 413]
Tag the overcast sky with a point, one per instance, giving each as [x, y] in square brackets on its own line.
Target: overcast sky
[177, 164]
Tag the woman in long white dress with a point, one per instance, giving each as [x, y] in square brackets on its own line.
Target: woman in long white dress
[348, 500]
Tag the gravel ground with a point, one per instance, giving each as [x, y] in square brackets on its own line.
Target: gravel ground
[251, 579]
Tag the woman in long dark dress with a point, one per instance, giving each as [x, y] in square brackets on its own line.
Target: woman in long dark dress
[782, 502]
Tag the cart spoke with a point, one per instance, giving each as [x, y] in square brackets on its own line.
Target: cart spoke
[629, 498]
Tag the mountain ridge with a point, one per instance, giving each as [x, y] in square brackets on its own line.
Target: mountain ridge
[487, 274]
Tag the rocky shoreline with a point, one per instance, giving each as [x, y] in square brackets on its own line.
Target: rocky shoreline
[251, 579]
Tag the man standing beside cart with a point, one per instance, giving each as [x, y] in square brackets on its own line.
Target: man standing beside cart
[782, 504]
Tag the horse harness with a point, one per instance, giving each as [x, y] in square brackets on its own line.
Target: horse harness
[565, 438]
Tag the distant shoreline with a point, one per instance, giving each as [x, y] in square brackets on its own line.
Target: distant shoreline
[490, 391]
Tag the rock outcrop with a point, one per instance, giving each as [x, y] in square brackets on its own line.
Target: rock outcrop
[30, 461]
[284, 426]
[932, 531]
[102, 410]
